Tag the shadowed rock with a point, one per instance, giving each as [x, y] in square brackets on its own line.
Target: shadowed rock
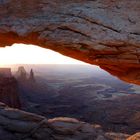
[5, 72]
[16, 124]
[9, 92]
[31, 76]
[21, 74]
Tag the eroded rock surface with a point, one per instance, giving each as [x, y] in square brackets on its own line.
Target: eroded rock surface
[9, 92]
[135, 137]
[104, 33]
[18, 125]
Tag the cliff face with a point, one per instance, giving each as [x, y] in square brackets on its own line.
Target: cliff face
[5, 72]
[104, 33]
[9, 92]
[22, 125]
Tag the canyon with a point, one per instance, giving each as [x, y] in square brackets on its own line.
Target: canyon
[39, 98]
[104, 33]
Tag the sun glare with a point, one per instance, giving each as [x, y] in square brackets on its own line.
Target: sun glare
[30, 54]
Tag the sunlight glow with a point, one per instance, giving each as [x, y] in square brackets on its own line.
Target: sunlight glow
[30, 54]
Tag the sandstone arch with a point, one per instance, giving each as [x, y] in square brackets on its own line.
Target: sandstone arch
[104, 33]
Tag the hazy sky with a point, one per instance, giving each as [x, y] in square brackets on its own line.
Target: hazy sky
[29, 54]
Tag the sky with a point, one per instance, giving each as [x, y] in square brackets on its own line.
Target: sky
[30, 54]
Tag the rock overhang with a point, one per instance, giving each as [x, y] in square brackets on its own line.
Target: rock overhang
[104, 33]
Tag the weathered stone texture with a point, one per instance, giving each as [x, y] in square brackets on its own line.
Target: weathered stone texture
[9, 93]
[20, 125]
[104, 33]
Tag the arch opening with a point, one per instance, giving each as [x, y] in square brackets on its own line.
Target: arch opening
[62, 86]
[31, 54]
[125, 70]
[22, 54]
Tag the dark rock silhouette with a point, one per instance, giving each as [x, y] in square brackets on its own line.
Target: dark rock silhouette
[31, 76]
[9, 92]
[21, 74]
[9, 88]
[5, 72]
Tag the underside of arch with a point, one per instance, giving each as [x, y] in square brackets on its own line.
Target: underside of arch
[104, 33]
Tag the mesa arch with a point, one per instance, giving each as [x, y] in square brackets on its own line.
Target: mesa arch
[105, 33]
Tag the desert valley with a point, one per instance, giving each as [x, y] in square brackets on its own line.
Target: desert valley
[84, 92]
[70, 70]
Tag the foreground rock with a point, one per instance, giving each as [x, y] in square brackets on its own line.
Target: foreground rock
[17, 125]
[135, 137]
[104, 33]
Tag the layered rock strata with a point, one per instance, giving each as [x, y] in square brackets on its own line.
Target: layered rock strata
[105, 33]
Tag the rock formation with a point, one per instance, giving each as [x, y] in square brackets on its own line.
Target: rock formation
[5, 72]
[21, 74]
[9, 92]
[135, 137]
[104, 33]
[31, 76]
[101, 32]
[16, 124]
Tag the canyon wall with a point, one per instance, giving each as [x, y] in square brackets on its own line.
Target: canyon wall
[9, 92]
[105, 33]
[5, 72]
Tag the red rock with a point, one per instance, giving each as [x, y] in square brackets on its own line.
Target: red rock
[134, 137]
[9, 92]
[5, 72]
[104, 33]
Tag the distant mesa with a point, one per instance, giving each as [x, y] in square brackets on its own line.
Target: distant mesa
[22, 75]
